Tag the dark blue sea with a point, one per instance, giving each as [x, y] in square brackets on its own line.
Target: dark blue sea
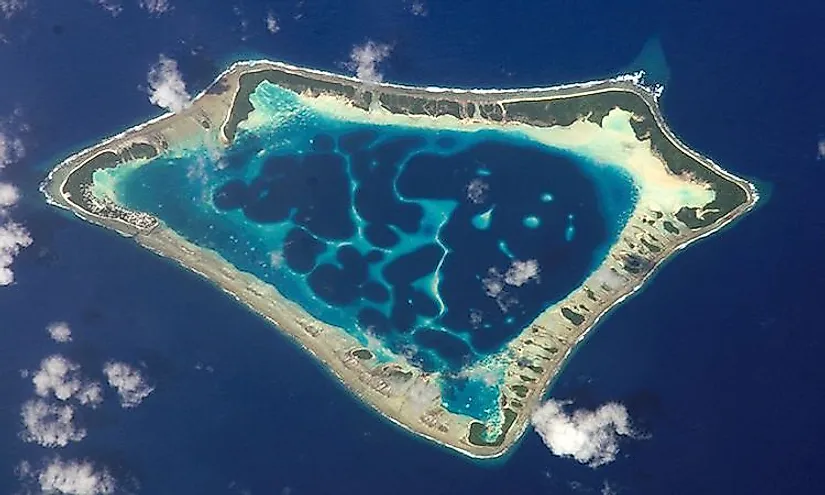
[718, 360]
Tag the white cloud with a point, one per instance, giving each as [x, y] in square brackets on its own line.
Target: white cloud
[496, 284]
[13, 238]
[418, 8]
[11, 149]
[60, 377]
[589, 437]
[157, 7]
[74, 477]
[521, 272]
[166, 86]
[114, 7]
[272, 23]
[364, 60]
[129, 383]
[59, 331]
[477, 191]
[49, 425]
[821, 149]
[10, 7]
[9, 195]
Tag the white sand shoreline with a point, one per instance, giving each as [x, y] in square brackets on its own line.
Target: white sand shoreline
[334, 347]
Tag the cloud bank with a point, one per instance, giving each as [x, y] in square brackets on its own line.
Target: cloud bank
[13, 236]
[589, 437]
[128, 382]
[364, 60]
[166, 86]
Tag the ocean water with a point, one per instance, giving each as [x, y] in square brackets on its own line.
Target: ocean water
[718, 360]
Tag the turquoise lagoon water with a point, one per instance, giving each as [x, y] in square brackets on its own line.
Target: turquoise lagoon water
[408, 234]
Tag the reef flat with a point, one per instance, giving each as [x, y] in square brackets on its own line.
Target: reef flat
[440, 251]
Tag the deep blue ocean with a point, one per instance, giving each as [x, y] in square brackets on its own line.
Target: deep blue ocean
[718, 361]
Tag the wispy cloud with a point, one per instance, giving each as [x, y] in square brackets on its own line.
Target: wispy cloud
[821, 149]
[10, 7]
[418, 8]
[521, 272]
[589, 437]
[272, 23]
[500, 285]
[128, 382]
[60, 331]
[72, 477]
[166, 86]
[365, 59]
[477, 191]
[114, 7]
[156, 7]
[49, 425]
[11, 149]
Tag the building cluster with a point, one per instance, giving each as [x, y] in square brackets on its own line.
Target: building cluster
[105, 207]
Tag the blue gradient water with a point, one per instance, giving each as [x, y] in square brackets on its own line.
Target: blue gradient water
[719, 361]
[374, 228]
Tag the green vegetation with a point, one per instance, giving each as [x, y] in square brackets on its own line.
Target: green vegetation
[652, 247]
[668, 225]
[572, 316]
[250, 81]
[594, 107]
[520, 390]
[478, 430]
[362, 354]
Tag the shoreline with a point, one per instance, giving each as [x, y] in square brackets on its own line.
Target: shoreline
[552, 329]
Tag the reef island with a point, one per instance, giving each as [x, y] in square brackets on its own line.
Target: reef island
[440, 251]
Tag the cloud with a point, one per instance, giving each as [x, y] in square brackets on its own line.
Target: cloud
[13, 238]
[129, 383]
[49, 425]
[589, 437]
[70, 477]
[60, 332]
[477, 191]
[418, 8]
[11, 149]
[166, 86]
[521, 272]
[60, 377]
[10, 7]
[364, 60]
[272, 23]
[496, 284]
[156, 7]
[114, 7]
[8, 195]
[821, 149]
